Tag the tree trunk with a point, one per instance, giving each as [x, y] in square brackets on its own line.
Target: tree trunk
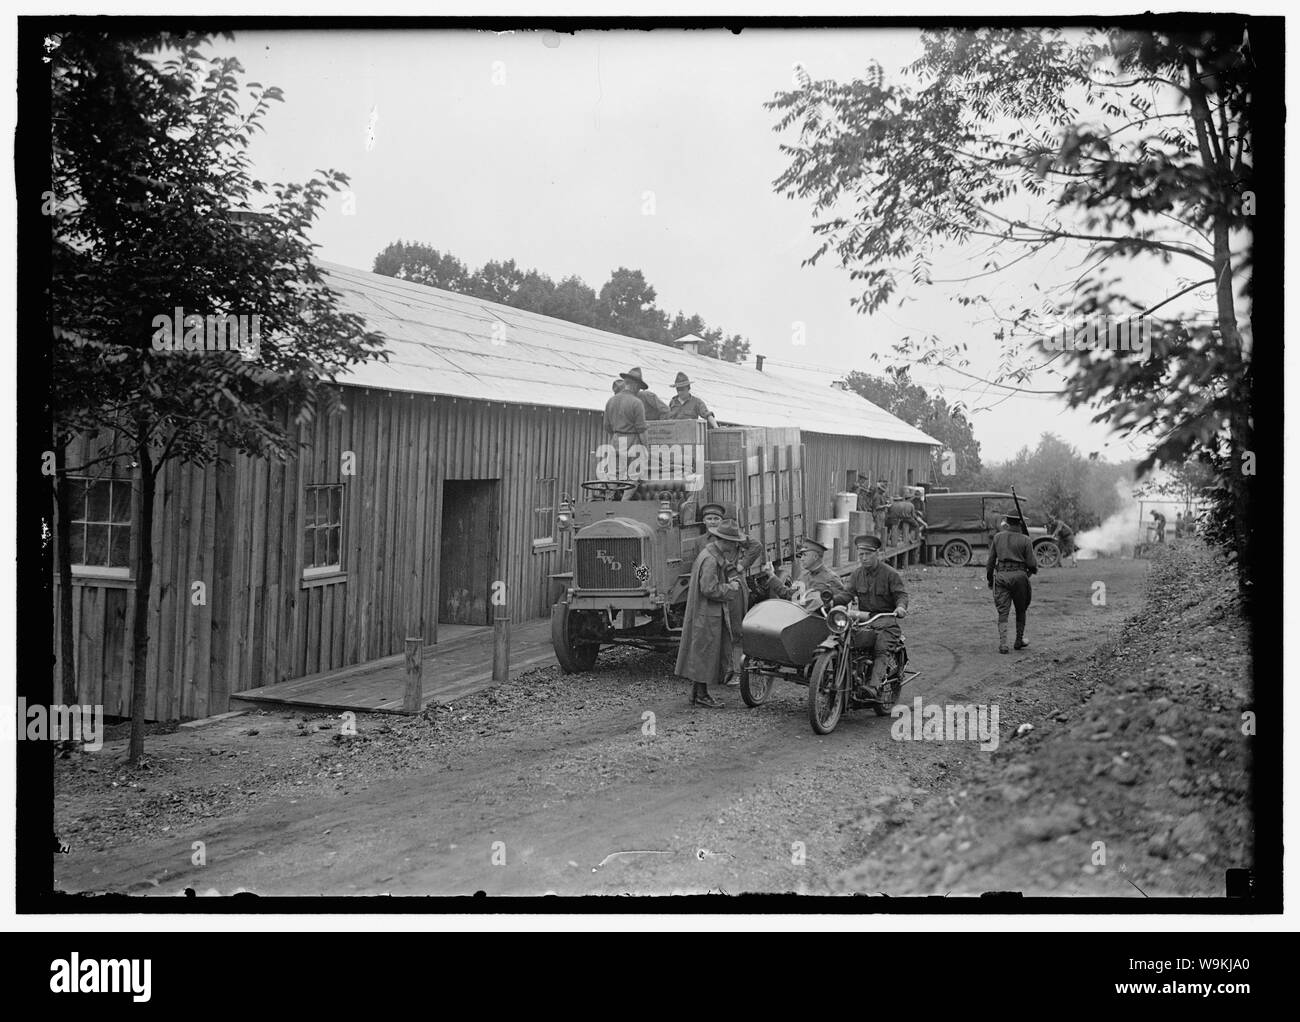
[143, 583]
[67, 665]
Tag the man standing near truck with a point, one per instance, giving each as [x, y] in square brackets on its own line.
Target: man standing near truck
[1010, 563]
[686, 405]
[705, 653]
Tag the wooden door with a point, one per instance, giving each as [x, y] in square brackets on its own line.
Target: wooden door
[468, 548]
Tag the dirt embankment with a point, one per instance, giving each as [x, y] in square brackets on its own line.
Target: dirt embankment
[1134, 779]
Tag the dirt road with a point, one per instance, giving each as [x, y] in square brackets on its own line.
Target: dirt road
[600, 783]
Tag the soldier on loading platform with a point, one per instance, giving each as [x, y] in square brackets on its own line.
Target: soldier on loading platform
[1010, 563]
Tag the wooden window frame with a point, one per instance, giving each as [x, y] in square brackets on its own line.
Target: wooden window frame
[552, 541]
[328, 574]
[100, 574]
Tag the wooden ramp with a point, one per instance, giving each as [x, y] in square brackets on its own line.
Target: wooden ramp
[455, 667]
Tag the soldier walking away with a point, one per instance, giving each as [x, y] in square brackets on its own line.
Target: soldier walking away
[1011, 562]
[1179, 526]
[879, 589]
[625, 415]
[686, 405]
[1160, 526]
[705, 652]
[1064, 537]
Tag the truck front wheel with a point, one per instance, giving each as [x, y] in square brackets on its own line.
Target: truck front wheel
[574, 653]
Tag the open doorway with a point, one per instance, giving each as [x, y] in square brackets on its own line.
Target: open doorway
[468, 551]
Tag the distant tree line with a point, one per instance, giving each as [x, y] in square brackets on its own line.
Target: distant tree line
[625, 304]
[1057, 479]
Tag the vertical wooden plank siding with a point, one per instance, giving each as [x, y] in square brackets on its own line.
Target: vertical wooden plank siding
[237, 528]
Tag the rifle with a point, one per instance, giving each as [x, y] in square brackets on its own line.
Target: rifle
[1024, 525]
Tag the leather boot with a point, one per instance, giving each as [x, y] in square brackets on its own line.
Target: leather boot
[1020, 634]
[701, 697]
[1002, 637]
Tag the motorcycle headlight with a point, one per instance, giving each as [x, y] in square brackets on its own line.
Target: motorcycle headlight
[838, 619]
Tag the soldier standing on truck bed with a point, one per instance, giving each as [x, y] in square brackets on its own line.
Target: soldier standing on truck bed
[650, 401]
[686, 405]
[625, 415]
[1011, 561]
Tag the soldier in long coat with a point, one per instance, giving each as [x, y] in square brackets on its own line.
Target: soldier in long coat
[705, 653]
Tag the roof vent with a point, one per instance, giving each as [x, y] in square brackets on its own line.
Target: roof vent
[690, 343]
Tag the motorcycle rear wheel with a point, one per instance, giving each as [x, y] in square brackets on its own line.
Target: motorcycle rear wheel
[825, 702]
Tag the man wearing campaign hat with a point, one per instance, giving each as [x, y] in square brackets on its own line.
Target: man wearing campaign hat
[650, 401]
[686, 405]
[624, 414]
[1010, 563]
[879, 589]
[705, 654]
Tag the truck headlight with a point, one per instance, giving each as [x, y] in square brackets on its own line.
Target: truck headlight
[665, 515]
[838, 620]
[564, 518]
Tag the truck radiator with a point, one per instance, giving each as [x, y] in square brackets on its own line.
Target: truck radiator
[608, 563]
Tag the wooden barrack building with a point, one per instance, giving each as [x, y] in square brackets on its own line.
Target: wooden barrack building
[441, 476]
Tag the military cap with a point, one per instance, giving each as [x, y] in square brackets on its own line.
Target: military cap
[682, 380]
[715, 507]
[867, 540]
[633, 375]
[813, 544]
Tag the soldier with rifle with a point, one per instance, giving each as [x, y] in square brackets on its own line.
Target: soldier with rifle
[1010, 563]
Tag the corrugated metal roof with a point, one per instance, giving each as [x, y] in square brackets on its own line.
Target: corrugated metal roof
[454, 345]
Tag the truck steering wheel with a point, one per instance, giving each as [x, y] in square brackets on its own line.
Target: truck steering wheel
[607, 489]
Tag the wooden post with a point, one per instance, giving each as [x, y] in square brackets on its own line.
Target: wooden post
[501, 647]
[413, 700]
[835, 552]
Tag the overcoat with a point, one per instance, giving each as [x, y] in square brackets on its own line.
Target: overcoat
[705, 652]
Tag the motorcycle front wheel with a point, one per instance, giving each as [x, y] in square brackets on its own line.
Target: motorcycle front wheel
[825, 701]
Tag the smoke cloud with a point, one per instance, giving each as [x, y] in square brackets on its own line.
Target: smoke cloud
[1117, 534]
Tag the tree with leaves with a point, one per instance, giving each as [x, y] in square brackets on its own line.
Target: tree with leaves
[1130, 149]
[150, 165]
[897, 394]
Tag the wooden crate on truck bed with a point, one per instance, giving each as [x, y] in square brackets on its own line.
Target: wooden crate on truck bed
[765, 483]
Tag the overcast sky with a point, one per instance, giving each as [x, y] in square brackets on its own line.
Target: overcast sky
[542, 148]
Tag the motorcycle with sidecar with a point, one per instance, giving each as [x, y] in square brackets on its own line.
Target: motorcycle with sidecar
[814, 647]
